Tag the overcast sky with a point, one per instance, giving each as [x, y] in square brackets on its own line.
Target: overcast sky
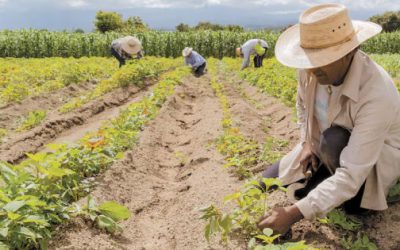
[166, 14]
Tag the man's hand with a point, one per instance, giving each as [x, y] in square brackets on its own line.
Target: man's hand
[308, 159]
[281, 219]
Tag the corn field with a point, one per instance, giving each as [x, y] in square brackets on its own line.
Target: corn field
[41, 43]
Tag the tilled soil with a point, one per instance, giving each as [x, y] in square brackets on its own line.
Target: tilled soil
[175, 170]
[70, 126]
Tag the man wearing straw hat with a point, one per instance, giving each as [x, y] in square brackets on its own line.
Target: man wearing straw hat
[123, 48]
[195, 60]
[256, 47]
[349, 116]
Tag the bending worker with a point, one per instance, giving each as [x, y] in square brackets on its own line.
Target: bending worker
[124, 48]
[349, 115]
[256, 47]
[195, 60]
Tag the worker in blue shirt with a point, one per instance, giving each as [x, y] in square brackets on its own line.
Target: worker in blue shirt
[196, 61]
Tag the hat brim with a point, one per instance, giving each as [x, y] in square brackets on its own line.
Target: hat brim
[185, 53]
[131, 49]
[289, 52]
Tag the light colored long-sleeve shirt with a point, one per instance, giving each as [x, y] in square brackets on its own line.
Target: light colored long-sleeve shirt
[194, 60]
[248, 49]
[368, 105]
[116, 45]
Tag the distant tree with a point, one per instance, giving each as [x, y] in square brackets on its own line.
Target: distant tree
[390, 20]
[182, 27]
[235, 28]
[208, 26]
[79, 30]
[108, 21]
[135, 24]
[216, 27]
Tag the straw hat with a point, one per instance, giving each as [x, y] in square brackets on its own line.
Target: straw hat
[131, 45]
[325, 33]
[186, 51]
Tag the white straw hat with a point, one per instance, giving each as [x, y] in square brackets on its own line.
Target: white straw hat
[325, 33]
[186, 51]
[131, 45]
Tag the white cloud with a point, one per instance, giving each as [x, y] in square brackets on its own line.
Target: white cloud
[3, 2]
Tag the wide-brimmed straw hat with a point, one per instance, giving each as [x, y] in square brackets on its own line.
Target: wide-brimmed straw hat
[131, 45]
[325, 33]
[186, 51]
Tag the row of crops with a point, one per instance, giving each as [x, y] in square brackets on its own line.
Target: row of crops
[37, 194]
[22, 78]
[218, 44]
[250, 203]
[280, 81]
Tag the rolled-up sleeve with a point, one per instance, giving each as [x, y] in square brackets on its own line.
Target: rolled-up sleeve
[371, 125]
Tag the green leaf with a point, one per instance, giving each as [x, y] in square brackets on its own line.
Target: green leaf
[13, 206]
[268, 231]
[13, 216]
[36, 220]
[3, 246]
[27, 232]
[114, 210]
[105, 222]
[4, 232]
[39, 157]
[207, 232]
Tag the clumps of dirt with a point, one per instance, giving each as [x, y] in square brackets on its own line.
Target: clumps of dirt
[15, 148]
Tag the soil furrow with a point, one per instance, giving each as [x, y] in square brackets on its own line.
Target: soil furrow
[71, 126]
[165, 179]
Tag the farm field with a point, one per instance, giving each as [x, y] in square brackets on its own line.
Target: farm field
[80, 136]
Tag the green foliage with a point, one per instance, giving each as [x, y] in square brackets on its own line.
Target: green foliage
[218, 44]
[361, 243]
[390, 21]
[135, 24]
[106, 216]
[242, 220]
[108, 21]
[33, 119]
[3, 133]
[131, 74]
[339, 219]
[241, 153]
[36, 194]
[182, 27]
[22, 78]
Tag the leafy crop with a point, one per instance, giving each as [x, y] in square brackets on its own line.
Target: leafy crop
[218, 44]
[33, 119]
[36, 194]
[22, 78]
[134, 73]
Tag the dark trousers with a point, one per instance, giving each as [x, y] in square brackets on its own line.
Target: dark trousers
[258, 60]
[200, 70]
[118, 56]
[332, 142]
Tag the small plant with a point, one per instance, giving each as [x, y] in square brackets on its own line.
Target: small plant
[339, 219]
[361, 243]
[3, 133]
[250, 207]
[106, 216]
[32, 120]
